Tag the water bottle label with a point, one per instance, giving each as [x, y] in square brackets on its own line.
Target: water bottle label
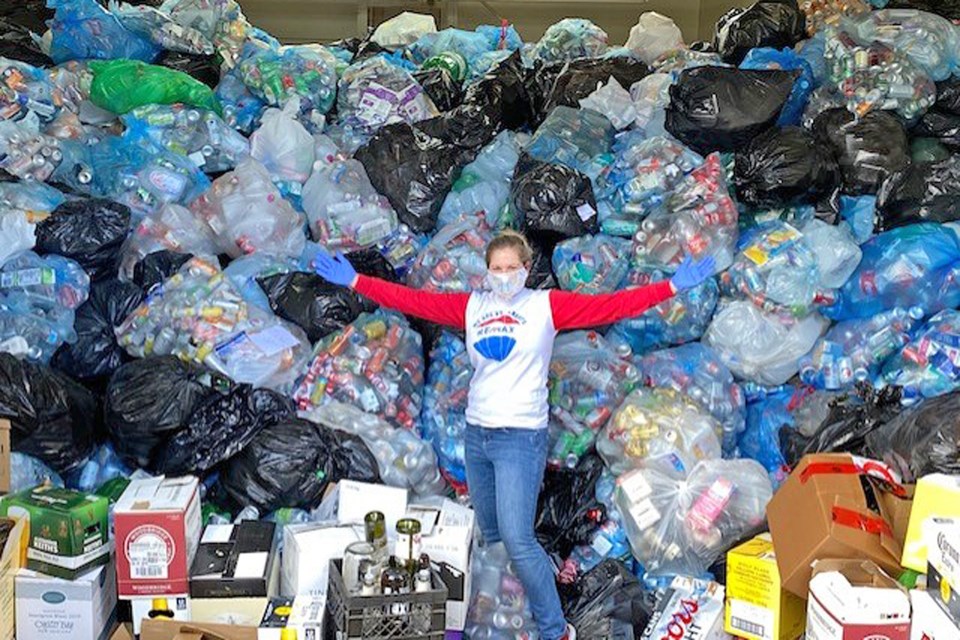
[28, 277]
[375, 105]
[169, 184]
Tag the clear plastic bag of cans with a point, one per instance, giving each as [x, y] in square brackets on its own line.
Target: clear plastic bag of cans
[199, 134]
[401, 249]
[760, 346]
[374, 363]
[283, 145]
[24, 88]
[699, 219]
[682, 318]
[854, 350]
[241, 108]
[25, 152]
[498, 604]
[577, 138]
[82, 29]
[344, 210]
[659, 428]
[454, 259]
[246, 213]
[198, 315]
[38, 297]
[680, 526]
[569, 39]
[645, 172]
[591, 264]
[929, 365]
[161, 29]
[829, 12]
[697, 372]
[170, 228]
[405, 460]
[926, 39]
[614, 102]
[445, 406]
[220, 21]
[484, 184]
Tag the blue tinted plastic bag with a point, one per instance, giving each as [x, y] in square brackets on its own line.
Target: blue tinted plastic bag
[82, 29]
[445, 405]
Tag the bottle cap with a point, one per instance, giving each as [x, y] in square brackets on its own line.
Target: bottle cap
[288, 633]
[160, 604]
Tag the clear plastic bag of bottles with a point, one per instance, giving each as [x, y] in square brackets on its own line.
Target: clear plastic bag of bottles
[17, 233]
[644, 174]
[445, 406]
[788, 60]
[375, 363]
[760, 346]
[912, 266]
[241, 108]
[929, 365]
[569, 39]
[659, 429]
[698, 219]
[247, 213]
[199, 134]
[854, 350]
[682, 318]
[651, 96]
[26, 472]
[104, 465]
[83, 29]
[344, 210]
[169, 228]
[681, 526]
[198, 315]
[696, 371]
[484, 184]
[577, 138]
[498, 603]
[926, 39]
[404, 459]
[454, 260]
[161, 29]
[27, 89]
[283, 145]
[614, 102]
[591, 264]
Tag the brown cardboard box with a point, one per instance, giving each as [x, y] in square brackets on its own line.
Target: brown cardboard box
[175, 630]
[4, 456]
[13, 555]
[896, 510]
[821, 512]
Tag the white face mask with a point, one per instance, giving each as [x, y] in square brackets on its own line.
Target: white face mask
[507, 285]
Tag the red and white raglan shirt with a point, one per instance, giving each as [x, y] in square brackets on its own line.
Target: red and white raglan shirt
[510, 342]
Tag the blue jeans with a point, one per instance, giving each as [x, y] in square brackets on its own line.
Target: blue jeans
[504, 471]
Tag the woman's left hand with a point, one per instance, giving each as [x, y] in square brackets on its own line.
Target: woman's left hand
[691, 273]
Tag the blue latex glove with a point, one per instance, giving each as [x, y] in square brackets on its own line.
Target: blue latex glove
[691, 273]
[336, 270]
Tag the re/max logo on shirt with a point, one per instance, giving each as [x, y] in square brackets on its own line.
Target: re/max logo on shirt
[499, 322]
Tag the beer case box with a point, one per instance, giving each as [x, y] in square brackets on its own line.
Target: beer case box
[157, 530]
[930, 621]
[822, 512]
[158, 629]
[938, 495]
[49, 607]
[943, 564]
[4, 456]
[13, 556]
[69, 531]
[690, 609]
[757, 607]
[304, 614]
[350, 501]
[140, 609]
[307, 551]
[855, 600]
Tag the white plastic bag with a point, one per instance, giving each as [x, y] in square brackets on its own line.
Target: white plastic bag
[653, 35]
[613, 101]
[283, 145]
[404, 29]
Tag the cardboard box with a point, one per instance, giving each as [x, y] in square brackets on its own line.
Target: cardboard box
[896, 510]
[757, 607]
[855, 600]
[349, 501]
[303, 613]
[307, 551]
[930, 622]
[13, 556]
[937, 495]
[157, 529]
[140, 608]
[50, 607]
[69, 533]
[690, 609]
[821, 512]
[943, 564]
[176, 630]
[4, 456]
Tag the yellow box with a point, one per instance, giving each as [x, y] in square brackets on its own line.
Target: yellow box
[937, 495]
[757, 608]
[13, 555]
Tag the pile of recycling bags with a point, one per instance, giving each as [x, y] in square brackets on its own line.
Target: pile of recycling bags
[170, 175]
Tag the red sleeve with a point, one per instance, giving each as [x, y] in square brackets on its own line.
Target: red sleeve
[581, 311]
[448, 309]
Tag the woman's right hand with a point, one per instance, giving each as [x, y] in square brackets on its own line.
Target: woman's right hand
[335, 269]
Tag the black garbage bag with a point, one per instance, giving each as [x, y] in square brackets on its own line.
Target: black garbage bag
[96, 353]
[868, 149]
[575, 80]
[440, 86]
[923, 439]
[768, 23]
[568, 511]
[942, 125]
[29, 14]
[606, 602]
[414, 170]
[52, 417]
[921, 193]
[783, 167]
[724, 108]
[151, 400]
[157, 267]
[89, 231]
[204, 68]
[948, 95]
[371, 262]
[312, 303]
[949, 9]
[541, 270]
[220, 427]
[16, 43]
[290, 464]
[851, 418]
[552, 202]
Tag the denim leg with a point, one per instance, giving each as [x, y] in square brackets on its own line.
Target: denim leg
[519, 457]
[481, 483]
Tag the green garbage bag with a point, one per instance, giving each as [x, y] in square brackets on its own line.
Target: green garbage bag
[122, 85]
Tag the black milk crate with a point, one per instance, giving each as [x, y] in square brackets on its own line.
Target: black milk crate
[408, 616]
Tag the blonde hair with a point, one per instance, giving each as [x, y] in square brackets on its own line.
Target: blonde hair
[510, 239]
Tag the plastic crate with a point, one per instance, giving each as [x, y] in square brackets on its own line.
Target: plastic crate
[356, 617]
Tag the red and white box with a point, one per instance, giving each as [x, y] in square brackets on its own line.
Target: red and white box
[157, 529]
